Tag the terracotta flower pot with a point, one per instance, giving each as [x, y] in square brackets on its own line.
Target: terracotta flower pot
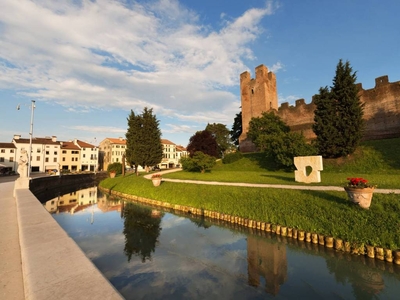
[156, 181]
[360, 196]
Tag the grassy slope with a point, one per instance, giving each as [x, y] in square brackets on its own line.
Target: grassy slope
[328, 213]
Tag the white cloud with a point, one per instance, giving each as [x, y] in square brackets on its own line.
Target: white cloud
[110, 54]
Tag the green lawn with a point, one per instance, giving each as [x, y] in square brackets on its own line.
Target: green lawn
[323, 212]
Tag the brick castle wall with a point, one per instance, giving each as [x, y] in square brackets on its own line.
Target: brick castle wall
[381, 110]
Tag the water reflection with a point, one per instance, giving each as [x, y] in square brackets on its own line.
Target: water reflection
[150, 253]
[141, 230]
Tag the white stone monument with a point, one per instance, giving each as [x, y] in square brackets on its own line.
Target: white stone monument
[302, 162]
[23, 181]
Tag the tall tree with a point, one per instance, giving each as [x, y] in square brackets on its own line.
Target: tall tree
[203, 141]
[236, 128]
[222, 136]
[339, 114]
[143, 139]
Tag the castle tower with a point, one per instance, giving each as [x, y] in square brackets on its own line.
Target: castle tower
[257, 96]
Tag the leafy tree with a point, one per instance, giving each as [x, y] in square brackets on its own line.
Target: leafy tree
[203, 141]
[261, 129]
[273, 137]
[222, 136]
[338, 119]
[199, 162]
[236, 129]
[143, 139]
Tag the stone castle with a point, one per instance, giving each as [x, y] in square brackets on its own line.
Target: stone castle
[259, 94]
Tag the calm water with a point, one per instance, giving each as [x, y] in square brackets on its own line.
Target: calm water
[151, 254]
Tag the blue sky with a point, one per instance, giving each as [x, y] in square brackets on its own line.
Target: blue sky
[88, 63]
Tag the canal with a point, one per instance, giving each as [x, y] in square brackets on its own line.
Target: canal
[151, 253]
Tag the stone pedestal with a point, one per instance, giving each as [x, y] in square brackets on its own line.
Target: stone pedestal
[21, 183]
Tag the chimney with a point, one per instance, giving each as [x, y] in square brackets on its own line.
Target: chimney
[17, 136]
[54, 138]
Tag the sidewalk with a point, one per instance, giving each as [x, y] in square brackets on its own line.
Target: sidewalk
[11, 282]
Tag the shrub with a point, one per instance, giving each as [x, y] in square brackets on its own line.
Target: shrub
[232, 157]
[200, 162]
[116, 167]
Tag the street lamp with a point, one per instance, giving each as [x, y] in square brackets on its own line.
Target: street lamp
[30, 138]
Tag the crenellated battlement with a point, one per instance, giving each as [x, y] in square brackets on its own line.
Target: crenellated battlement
[381, 110]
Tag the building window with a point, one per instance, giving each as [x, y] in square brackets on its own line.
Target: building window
[37, 150]
[47, 153]
[84, 155]
[37, 158]
[47, 159]
[12, 151]
[63, 159]
[55, 159]
[11, 159]
[3, 151]
[1, 159]
[55, 152]
[64, 152]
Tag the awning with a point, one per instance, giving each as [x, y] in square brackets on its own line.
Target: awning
[51, 167]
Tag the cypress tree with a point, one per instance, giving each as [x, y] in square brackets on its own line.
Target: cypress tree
[338, 118]
[143, 137]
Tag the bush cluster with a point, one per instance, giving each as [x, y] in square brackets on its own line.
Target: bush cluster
[117, 167]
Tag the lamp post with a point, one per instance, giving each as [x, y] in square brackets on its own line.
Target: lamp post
[30, 138]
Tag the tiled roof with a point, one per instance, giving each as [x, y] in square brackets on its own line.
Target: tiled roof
[180, 148]
[69, 145]
[84, 144]
[36, 140]
[117, 141]
[166, 142]
[7, 145]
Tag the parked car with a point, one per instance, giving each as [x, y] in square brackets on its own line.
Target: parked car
[156, 168]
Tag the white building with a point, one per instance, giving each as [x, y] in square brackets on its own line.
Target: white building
[89, 156]
[45, 152]
[8, 158]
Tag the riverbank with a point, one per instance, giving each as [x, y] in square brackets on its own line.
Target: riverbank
[295, 211]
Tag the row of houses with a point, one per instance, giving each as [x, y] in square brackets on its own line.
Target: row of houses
[50, 155]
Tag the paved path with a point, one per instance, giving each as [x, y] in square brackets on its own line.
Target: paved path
[273, 186]
[11, 282]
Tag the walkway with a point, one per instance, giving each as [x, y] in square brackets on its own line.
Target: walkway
[271, 186]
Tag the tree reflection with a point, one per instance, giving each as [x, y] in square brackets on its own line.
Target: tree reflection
[366, 281]
[141, 230]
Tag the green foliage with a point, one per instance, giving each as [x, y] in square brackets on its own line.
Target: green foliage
[116, 167]
[338, 118]
[222, 137]
[232, 157]
[199, 162]
[273, 137]
[143, 139]
[236, 128]
[203, 141]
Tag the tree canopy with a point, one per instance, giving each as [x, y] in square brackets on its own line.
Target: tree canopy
[236, 128]
[338, 118]
[203, 141]
[222, 136]
[273, 137]
[143, 139]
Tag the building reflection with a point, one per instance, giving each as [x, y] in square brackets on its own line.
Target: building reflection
[72, 202]
[267, 259]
